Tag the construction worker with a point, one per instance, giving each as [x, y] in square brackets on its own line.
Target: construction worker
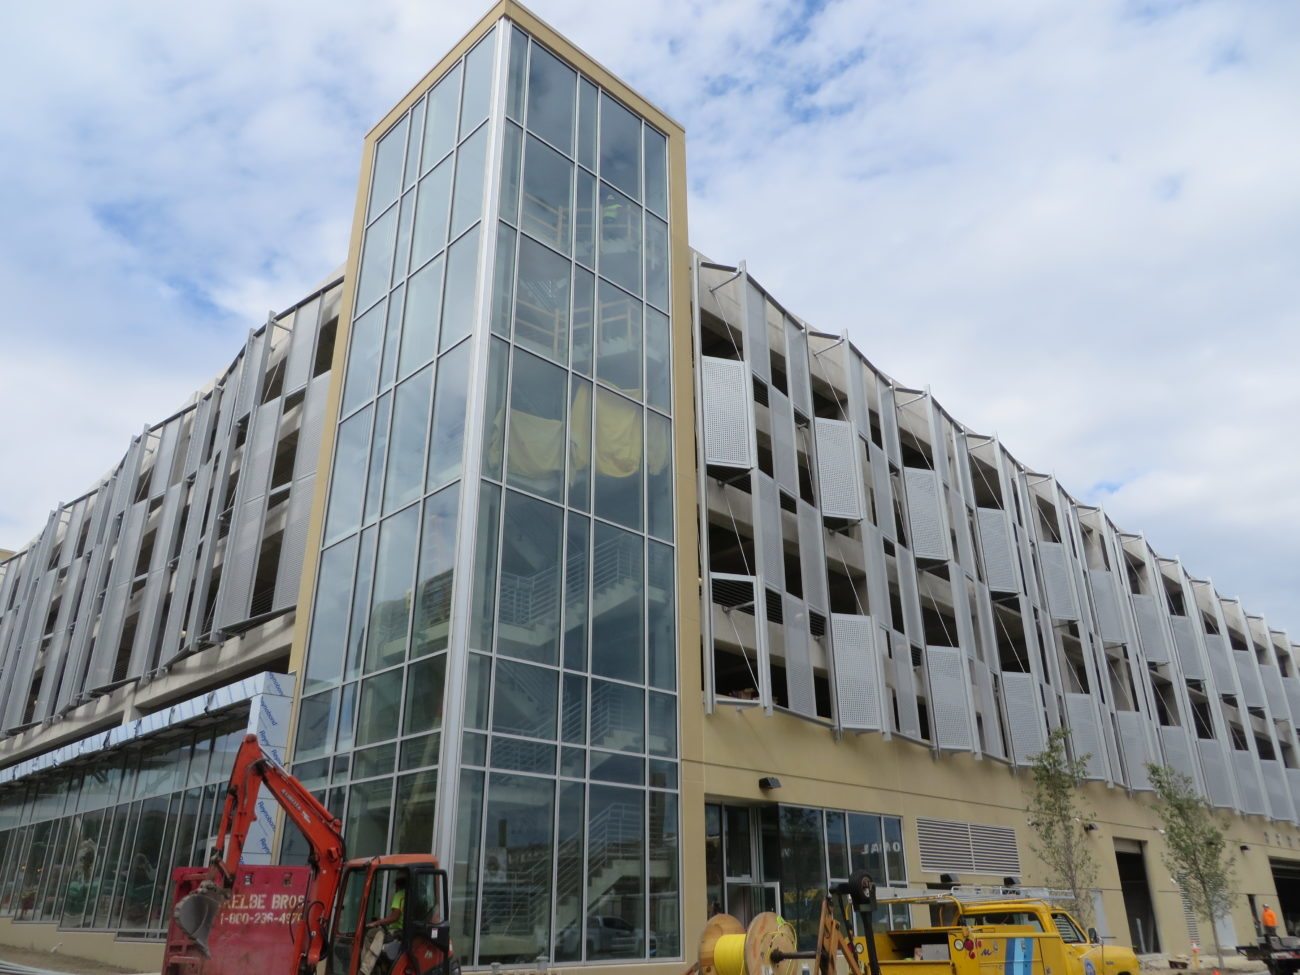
[1269, 918]
[391, 927]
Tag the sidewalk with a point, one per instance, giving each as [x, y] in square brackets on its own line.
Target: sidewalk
[29, 961]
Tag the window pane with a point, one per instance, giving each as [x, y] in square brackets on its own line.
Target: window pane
[349, 483]
[664, 865]
[478, 85]
[478, 684]
[467, 199]
[620, 147]
[615, 880]
[330, 621]
[617, 716]
[656, 172]
[381, 699]
[512, 156]
[663, 724]
[413, 144]
[658, 352]
[440, 122]
[548, 195]
[618, 349]
[361, 602]
[503, 281]
[363, 358]
[483, 609]
[464, 885]
[663, 617]
[413, 824]
[315, 722]
[803, 871]
[584, 319]
[580, 446]
[462, 281]
[402, 254]
[584, 234]
[659, 475]
[377, 260]
[408, 437]
[618, 459]
[656, 262]
[519, 824]
[837, 846]
[530, 580]
[369, 762]
[620, 240]
[437, 563]
[494, 412]
[425, 684]
[392, 335]
[865, 845]
[430, 235]
[367, 825]
[448, 439]
[575, 709]
[421, 320]
[535, 460]
[894, 865]
[524, 700]
[542, 306]
[419, 752]
[575, 593]
[550, 98]
[587, 101]
[386, 180]
[378, 455]
[617, 641]
[568, 890]
[390, 607]
[517, 75]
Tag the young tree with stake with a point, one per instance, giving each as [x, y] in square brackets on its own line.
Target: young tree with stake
[1059, 817]
[1196, 847]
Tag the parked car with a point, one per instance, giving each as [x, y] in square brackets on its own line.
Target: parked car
[608, 935]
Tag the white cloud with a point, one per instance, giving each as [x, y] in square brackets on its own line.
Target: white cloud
[1079, 223]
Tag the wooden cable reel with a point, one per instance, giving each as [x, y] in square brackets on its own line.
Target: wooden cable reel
[726, 948]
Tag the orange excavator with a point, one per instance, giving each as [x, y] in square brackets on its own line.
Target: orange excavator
[383, 915]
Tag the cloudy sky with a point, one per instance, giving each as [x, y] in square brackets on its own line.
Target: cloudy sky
[1079, 223]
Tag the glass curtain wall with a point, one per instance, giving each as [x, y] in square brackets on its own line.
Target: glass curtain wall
[94, 847]
[565, 802]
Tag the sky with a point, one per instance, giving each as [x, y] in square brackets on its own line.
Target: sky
[1077, 223]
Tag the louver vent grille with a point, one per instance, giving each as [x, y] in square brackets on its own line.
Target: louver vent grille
[956, 847]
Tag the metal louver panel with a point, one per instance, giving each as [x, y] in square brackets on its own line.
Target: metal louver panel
[1251, 689]
[882, 491]
[1150, 628]
[837, 469]
[798, 664]
[727, 439]
[255, 471]
[1136, 748]
[987, 705]
[1085, 736]
[1105, 597]
[760, 358]
[310, 427]
[857, 673]
[1292, 687]
[796, 341]
[878, 601]
[1189, 650]
[889, 424]
[1177, 748]
[995, 849]
[1273, 690]
[1214, 767]
[1293, 782]
[150, 622]
[250, 381]
[294, 544]
[769, 548]
[1221, 668]
[1279, 794]
[199, 432]
[1024, 708]
[297, 366]
[995, 545]
[812, 558]
[1249, 789]
[165, 458]
[910, 596]
[243, 545]
[1056, 578]
[948, 846]
[961, 609]
[949, 710]
[785, 459]
[909, 714]
[929, 536]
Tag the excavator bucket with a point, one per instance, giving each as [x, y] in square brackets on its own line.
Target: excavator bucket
[196, 912]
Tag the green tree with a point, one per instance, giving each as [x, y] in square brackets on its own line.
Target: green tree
[1196, 847]
[1059, 817]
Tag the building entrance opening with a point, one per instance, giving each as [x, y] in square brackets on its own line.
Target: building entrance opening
[1137, 896]
[1286, 878]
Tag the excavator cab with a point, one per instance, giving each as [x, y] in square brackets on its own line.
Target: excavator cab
[391, 919]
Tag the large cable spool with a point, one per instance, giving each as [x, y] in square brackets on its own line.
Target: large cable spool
[728, 949]
[718, 927]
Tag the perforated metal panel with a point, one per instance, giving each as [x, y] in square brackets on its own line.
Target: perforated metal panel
[798, 663]
[909, 596]
[1085, 736]
[889, 424]
[1150, 628]
[1249, 789]
[1251, 688]
[961, 609]
[1105, 597]
[1135, 747]
[255, 472]
[297, 367]
[987, 706]
[1277, 789]
[785, 460]
[756, 350]
[1177, 748]
[294, 544]
[1292, 687]
[812, 558]
[857, 672]
[995, 545]
[1025, 724]
[909, 715]
[199, 433]
[768, 545]
[949, 708]
[877, 575]
[242, 547]
[1214, 768]
[1274, 693]
[838, 476]
[1056, 578]
[250, 379]
[1293, 784]
[726, 414]
[929, 533]
[1220, 658]
[1189, 649]
[797, 377]
[149, 623]
[309, 429]
[883, 491]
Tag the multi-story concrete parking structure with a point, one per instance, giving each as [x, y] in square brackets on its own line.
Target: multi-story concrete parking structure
[542, 542]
